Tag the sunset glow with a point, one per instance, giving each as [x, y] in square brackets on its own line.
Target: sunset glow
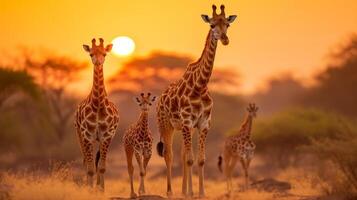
[268, 38]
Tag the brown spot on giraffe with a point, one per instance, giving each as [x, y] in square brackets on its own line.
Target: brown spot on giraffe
[186, 104]
[138, 142]
[90, 116]
[239, 146]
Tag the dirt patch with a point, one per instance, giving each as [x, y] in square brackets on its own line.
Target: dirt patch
[271, 185]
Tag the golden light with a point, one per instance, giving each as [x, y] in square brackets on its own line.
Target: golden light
[123, 46]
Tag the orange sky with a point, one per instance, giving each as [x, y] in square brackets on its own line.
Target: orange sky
[269, 37]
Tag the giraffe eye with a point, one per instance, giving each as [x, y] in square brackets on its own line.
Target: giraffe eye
[212, 26]
[91, 55]
[228, 25]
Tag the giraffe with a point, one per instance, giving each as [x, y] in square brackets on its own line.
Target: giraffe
[138, 141]
[186, 105]
[239, 146]
[96, 118]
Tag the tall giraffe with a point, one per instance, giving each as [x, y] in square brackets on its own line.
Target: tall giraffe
[96, 117]
[241, 147]
[138, 141]
[187, 104]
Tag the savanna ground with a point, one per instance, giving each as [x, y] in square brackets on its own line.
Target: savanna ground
[66, 181]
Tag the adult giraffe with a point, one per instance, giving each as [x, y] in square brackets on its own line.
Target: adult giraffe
[96, 117]
[186, 105]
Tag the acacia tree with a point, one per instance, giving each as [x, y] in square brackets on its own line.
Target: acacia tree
[12, 81]
[337, 84]
[54, 74]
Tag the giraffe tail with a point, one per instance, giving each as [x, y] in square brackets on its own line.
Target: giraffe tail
[220, 161]
[160, 148]
[97, 157]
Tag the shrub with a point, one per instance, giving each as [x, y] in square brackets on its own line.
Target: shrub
[341, 153]
[283, 134]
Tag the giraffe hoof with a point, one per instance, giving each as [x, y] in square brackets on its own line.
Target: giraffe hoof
[100, 189]
[169, 194]
[228, 194]
[201, 196]
[141, 192]
[189, 195]
[133, 195]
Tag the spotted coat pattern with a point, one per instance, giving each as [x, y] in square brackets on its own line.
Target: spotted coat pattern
[96, 118]
[240, 147]
[187, 105]
[138, 142]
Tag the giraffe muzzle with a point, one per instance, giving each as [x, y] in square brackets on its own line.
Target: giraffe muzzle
[224, 39]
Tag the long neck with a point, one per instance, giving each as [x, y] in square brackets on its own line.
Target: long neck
[98, 93]
[199, 73]
[246, 126]
[143, 122]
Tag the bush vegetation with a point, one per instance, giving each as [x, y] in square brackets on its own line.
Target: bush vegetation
[299, 133]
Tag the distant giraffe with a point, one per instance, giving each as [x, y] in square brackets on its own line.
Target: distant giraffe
[239, 146]
[187, 104]
[138, 141]
[96, 118]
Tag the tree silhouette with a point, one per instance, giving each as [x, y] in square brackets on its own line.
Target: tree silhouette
[54, 74]
[12, 81]
[336, 89]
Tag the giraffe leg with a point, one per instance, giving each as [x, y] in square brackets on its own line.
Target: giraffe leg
[89, 160]
[129, 159]
[184, 169]
[187, 136]
[103, 150]
[201, 160]
[139, 159]
[168, 136]
[227, 159]
[146, 161]
[245, 164]
[230, 171]
[80, 139]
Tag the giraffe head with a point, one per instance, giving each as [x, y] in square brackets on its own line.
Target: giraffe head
[219, 24]
[98, 53]
[252, 110]
[145, 101]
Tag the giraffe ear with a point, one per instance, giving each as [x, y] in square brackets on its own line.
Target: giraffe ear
[136, 100]
[109, 47]
[205, 18]
[86, 48]
[153, 99]
[231, 18]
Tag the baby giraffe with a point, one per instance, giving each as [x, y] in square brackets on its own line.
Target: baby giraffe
[239, 146]
[138, 141]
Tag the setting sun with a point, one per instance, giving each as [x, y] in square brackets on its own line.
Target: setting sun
[123, 46]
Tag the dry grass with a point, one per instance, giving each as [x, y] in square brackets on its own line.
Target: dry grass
[29, 186]
[303, 182]
[63, 185]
